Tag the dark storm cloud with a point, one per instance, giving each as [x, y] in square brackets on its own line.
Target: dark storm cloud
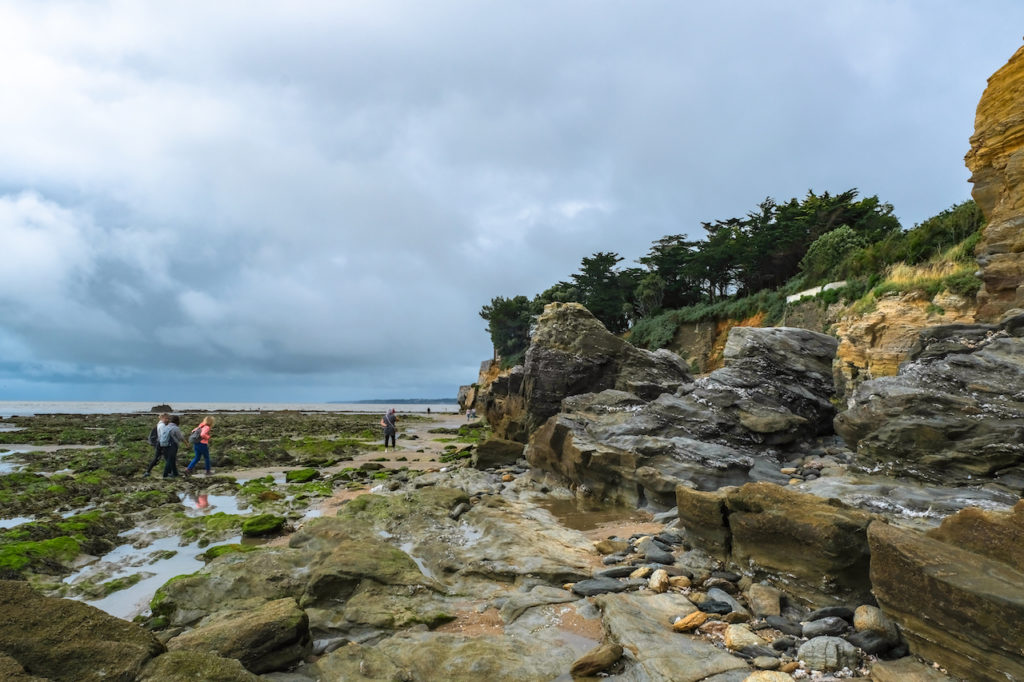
[314, 200]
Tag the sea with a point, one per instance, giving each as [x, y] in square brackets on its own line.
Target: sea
[28, 408]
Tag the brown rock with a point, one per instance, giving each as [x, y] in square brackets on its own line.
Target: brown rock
[995, 534]
[189, 666]
[497, 452]
[62, 639]
[611, 546]
[690, 622]
[764, 600]
[641, 572]
[996, 162]
[768, 676]
[704, 518]
[596, 660]
[679, 582]
[658, 581]
[931, 589]
[269, 638]
[907, 669]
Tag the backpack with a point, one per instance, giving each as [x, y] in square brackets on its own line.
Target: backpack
[152, 439]
[196, 436]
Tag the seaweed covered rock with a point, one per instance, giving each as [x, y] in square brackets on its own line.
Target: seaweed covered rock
[61, 639]
[955, 413]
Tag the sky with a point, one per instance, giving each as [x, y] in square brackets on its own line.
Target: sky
[305, 202]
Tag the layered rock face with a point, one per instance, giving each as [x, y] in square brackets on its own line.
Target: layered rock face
[968, 571]
[954, 415]
[814, 549]
[875, 344]
[720, 430]
[996, 162]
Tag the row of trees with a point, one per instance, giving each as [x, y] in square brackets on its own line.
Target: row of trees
[811, 240]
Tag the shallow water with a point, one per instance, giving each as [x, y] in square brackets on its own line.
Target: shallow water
[126, 560]
[6, 465]
[16, 521]
[424, 569]
[580, 516]
[200, 504]
[27, 408]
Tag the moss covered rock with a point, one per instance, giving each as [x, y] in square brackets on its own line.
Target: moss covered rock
[262, 525]
[300, 475]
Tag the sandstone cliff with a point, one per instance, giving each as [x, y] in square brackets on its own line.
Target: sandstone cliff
[996, 162]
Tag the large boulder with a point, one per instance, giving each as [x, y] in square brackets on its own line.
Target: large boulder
[61, 639]
[996, 162]
[816, 550]
[271, 637]
[954, 606]
[571, 353]
[723, 429]
[955, 413]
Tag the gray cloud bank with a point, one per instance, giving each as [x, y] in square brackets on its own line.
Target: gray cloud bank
[311, 201]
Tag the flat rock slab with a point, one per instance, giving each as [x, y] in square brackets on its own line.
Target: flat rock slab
[642, 624]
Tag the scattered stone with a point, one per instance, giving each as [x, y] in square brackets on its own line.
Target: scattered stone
[658, 581]
[766, 663]
[721, 584]
[656, 555]
[611, 546]
[871, 618]
[832, 612]
[593, 586]
[459, 510]
[786, 626]
[768, 676]
[831, 626]
[828, 654]
[596, 660]
[739, 636]
[717, 595]
[784, 643]
[680, 582]
[870, 642]
[690, 622]
[764, 600]
[641, 572]
[616, 572]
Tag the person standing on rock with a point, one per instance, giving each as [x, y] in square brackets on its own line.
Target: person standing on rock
[169, 441]
[201, 447]
[390, 423]
[154, 440]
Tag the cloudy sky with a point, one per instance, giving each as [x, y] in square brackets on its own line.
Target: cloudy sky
[278, 201]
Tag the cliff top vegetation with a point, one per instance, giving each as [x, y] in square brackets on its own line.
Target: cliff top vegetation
[747, 266]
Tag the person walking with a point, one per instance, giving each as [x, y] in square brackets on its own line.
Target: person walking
[154, 440]
[390, 423]
[201, 447]
[169, 442]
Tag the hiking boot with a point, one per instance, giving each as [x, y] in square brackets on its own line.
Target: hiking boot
[209, 472]
[188, 471]
[145, 475]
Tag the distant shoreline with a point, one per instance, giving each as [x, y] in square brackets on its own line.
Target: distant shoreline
[397, 401]
[10, 408]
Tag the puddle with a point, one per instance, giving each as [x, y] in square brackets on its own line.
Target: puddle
[8, 428]
[247, 476]
[7, 466]
[154, 561]
[313, 514]
[580, 516]
[200, 504]
[424, 569]
[470, 535]
[16, 521]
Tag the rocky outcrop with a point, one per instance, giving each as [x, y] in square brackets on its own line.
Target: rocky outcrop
[996, 162]
[723, 429]
[814, 549]
[876, 343]
[955, 413]
[500, 401]
[960, 608]
[272, 636]
[572, 353]
[61, 639]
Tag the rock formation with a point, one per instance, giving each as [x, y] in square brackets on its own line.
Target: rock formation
[875, 344]
[996, 162]
[954, 415]
[720, 430]
[814, 549]
[956, 600]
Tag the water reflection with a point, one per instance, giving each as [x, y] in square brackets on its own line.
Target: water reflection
[582, 516]
[16, 521]
[202, 503]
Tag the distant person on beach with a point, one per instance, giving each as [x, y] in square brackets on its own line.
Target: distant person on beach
[169, 440]
[201, 447]
[390, 423]
[154, 440]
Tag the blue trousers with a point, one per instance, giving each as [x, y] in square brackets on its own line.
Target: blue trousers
[201, 450]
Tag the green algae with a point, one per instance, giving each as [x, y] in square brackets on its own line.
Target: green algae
[262, 525]
[300, 475]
